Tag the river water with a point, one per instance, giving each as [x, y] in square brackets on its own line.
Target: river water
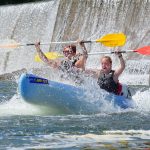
[26, 126]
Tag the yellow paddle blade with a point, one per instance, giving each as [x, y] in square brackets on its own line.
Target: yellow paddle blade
[49, 55]
[112, 40]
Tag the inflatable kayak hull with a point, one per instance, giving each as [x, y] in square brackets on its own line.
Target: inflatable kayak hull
[71, 99]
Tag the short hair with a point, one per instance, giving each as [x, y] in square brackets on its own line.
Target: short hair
[72, 48]
[108, 58]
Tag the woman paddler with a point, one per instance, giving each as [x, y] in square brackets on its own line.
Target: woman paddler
[108, 79]
[72, 64]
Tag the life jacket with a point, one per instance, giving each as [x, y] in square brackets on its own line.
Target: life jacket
[76, 58]
[106, 82]
[67, 65]
[69, 70]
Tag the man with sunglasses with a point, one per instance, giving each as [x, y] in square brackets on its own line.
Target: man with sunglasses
[72, 64]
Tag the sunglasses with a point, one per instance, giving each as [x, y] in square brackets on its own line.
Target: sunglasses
[67, 52]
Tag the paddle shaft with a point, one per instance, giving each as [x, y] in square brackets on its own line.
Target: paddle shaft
[66, 42]
[109, 40]
[143, 51]
[96, 53]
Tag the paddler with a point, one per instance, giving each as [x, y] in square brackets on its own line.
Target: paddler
[73, 62]
[108, 79]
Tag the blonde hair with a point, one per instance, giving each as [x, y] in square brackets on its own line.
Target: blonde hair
[108, 58]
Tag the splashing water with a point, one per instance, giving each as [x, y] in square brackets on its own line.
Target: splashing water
[142, 99]
[17, 106]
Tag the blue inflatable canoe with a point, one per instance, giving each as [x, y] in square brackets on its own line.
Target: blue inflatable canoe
[68, 98]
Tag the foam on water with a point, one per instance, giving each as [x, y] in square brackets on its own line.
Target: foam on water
[142, 99]
[17, 106]
[110, 139]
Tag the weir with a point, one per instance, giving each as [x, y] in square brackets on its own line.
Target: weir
[63, 20]
[25, 23]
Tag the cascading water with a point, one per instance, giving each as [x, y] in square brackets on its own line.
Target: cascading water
[25, 24]
[69, 20]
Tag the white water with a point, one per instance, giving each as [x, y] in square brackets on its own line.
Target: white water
[17, 106]
[110, 140]
[58, 21]
[142, 99]
[26, 23]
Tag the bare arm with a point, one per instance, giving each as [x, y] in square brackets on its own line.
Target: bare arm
[84, 50]
[82, 61]
[121, 68]
[92, 72]
[43, 56]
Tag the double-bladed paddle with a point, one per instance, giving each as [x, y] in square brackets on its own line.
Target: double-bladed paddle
[54, 55]
[143, 51]
[110, 40]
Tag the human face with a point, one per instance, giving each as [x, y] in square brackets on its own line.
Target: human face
[67, 52]
[106, 65]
